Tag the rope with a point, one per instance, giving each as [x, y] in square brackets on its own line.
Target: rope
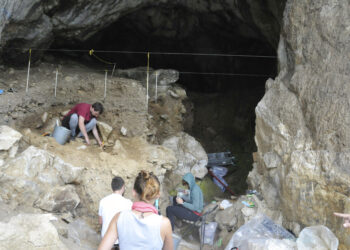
[183, 72]
[91, 53]
[144, 52]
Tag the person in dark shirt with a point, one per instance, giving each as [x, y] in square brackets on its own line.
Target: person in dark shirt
[81, 119]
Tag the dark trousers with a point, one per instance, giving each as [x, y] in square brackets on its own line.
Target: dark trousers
[180, 212]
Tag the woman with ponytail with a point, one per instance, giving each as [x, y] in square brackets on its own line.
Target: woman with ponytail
[142, 227]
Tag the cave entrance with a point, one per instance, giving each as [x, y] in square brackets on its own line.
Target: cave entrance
[223, 64]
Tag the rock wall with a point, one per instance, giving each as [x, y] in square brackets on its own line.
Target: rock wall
[303, 121]
[37, 24]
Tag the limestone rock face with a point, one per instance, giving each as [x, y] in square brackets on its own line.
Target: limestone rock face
[190, 154]
[30, 231]
[24, 24]
[36, 23]
[303, 121]
[59, 199]
[9, 140]
[33, 173]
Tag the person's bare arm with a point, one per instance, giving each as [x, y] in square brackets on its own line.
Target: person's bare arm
[346, 218]
[95, 133]
[100, 220]
[167, 234]
[111, 235]
[83, 129]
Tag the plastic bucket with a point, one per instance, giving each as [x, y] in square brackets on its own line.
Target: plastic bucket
[176, 240]
[61, 134]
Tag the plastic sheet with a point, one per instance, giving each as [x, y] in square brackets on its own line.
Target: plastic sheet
[317, 237]
[258, 232]
[209, 232]
[219, 172]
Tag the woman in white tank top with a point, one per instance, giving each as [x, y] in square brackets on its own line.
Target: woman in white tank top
[142, 227]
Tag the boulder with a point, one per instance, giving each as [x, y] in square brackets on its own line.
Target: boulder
[9, 142]
[190, 154]
[165, 77]
[104, 129]
[30, 231]
[59, 200]
[83, 235]
[33, 173]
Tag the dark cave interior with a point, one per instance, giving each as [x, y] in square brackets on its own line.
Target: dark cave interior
[223, 85]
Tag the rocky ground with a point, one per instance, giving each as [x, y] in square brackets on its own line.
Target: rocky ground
[40, 176]
[50, 192]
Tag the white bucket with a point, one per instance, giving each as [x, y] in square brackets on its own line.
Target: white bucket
[176, 240]
[61, 134]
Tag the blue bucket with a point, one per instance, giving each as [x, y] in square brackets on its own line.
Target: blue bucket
[61, 134]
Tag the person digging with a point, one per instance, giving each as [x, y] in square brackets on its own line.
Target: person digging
[82, 119]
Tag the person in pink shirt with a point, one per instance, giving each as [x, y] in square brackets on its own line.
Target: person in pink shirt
[81, 119]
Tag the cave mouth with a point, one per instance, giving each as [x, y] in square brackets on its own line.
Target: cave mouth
[223, 86]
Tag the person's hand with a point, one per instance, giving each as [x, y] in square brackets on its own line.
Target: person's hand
[179, 200]
[87, 141]
[346, 218]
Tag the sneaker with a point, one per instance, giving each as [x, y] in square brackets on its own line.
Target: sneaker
[72, 138]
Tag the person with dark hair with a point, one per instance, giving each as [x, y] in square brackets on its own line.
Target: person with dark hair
[113, 204]
[142, 227]
[190, 208]
[81, 119]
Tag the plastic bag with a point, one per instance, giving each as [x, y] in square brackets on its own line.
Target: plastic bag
[258, 233]
[317, 237]
[219, 172]
[209, 230]
[225, 204]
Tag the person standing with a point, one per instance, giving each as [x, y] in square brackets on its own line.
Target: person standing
[142, 227]
[188, 209]
[113, 204]
[81, 119]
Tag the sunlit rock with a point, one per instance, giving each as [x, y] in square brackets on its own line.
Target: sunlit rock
[9, 142]
[33, 173]
[30, 231]
[59, 199]
[104, 130]
[190, 154]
